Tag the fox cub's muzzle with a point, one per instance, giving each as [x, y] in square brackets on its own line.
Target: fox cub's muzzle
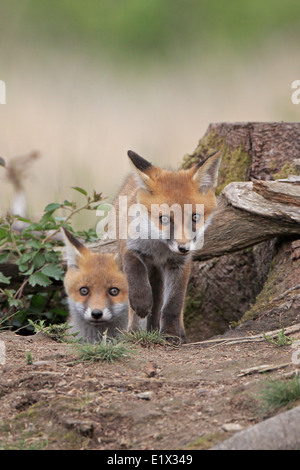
[184, 248]
[96, 314]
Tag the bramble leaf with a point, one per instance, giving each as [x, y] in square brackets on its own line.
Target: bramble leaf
[54, 271]
[39, 279]
[4, 279]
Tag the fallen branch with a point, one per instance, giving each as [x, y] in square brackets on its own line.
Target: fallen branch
[281, 296]
[263, 368]
[246, 339]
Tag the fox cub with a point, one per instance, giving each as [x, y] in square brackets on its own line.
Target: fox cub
[97, 292]
[157, 262]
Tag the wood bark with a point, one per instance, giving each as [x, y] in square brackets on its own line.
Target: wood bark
[250, 213]
[242, 286]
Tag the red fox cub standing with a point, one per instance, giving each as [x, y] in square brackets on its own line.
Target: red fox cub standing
[157, 264]
[97, 292]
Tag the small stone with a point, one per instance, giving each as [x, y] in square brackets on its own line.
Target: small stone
[232, 427]
[151, 369]
[86, 428]
[145, 395]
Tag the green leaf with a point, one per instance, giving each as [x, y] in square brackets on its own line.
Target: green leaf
[3, 233]
[105, 207]
[54, 271]
[4, 279]
[52, 207]
[39, 260]
[80, 190]
[9, 292]
[38, 303]
[15, 302]
[30, 271]
[22, 219]
[36, 244]
[39, 279]
[68, 203]
[34, 226]
[23, 267]
[52, 257]
[4, 257]
[48, 217]
[24, 259]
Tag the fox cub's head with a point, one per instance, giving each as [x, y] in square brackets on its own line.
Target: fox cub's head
[179, 204]
[96, 287]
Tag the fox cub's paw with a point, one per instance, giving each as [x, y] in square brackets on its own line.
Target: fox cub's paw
[173, 336]
[141, 301]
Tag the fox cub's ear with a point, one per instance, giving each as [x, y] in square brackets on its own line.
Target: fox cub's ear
[206, 173]
[141, 167]
[117, 260]
[74, 248]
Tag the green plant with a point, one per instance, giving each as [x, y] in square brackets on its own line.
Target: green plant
[282, 339]
[34, 253]
[107, 350]
[278, 393]
[29, 358]
[57, 332]
[144, 338]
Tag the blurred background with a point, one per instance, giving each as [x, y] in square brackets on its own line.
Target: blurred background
[88, 80]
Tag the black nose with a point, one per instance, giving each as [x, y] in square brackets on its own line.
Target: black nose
[183, 249]
[97, 314]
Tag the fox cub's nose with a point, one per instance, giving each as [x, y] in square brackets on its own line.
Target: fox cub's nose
[97, 314]
[183, 249]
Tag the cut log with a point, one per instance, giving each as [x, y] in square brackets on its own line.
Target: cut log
[238, 288]
[244, 217]
[247, 213]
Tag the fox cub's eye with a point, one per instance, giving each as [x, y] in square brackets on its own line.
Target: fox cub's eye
[196, 217]
[113, 291]
[164, 219]
[84, 291]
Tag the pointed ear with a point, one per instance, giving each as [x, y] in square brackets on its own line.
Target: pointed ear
[117, 259]
[206, 173]
[141, 167]
[74, 248]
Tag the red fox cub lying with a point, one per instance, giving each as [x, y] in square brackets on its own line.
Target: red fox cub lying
[157, 260]
[97, 292]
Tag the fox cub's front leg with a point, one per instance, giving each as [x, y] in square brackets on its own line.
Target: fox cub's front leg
[176, 279]
[140, 292]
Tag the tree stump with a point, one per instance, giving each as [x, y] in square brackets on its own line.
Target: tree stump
[249, 288]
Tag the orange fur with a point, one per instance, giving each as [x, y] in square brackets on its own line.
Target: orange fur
[158, 267]
[104, 305]
[99, 272]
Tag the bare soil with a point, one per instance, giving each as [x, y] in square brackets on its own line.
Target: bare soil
[162, 397]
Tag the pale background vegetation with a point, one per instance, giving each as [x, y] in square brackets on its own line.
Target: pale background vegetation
[88, 80]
